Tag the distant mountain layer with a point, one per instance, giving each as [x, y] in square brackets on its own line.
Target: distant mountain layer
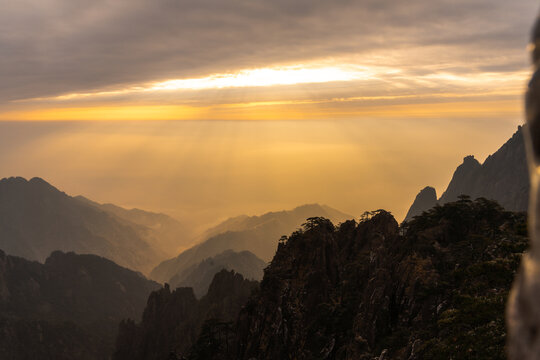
[173, 321]
[67, 308]
[200, 276]
[257, 234]
[160, 230]
[432, 288]
[502, 177]
[36, 219]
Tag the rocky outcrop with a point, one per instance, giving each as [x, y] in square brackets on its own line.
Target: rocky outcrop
[464, 180]
[433, 288]
[425, 200]
[172, 320]
[502, 177]
[67, 308]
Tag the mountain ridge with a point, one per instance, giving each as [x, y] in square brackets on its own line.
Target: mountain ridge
[257, 234]
[36, 218]
[503, 177]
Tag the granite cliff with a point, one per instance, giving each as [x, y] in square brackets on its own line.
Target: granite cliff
[173, 320]
[432, 288]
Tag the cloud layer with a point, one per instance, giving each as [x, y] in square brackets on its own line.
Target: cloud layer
[54, 47]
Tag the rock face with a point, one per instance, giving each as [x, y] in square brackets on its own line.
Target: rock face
[67, 308]
[257, 234]
[503, 177]
[425, 200]
[37, 219]
[200, 276]
[464, 180]
[433, 289]
[172, 321]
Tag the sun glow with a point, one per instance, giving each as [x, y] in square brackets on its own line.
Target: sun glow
[292, 75]
[268, 77]
[337, 90]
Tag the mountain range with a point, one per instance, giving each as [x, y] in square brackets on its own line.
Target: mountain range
[503, 177]
[432, 288]
[257, 234]
[37, 219]
[161, 231]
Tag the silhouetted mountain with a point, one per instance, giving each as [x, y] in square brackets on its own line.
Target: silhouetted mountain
[503, 177]
[200, 276]
[160, 230]
[67, 308]
[257, 234]
[172, 321]
[464, 179]
[433, 289]
[291, 218]
[36, 219]
[426, 199]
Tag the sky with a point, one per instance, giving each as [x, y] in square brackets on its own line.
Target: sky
[207, 108]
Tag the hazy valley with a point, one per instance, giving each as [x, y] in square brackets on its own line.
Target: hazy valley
[311, 282]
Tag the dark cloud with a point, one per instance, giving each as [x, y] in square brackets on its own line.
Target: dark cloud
[50, 47]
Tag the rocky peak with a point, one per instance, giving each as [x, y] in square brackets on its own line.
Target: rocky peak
[502, 177]
[367, 289]
[470, 161]
[172, 320]
[224, 283]
[426, 199]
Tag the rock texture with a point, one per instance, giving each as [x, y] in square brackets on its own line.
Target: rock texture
[257, 234]
[502, 177]
[172, 321]
[67, 308]
[201, 275]
[37, 219]
[434, 288]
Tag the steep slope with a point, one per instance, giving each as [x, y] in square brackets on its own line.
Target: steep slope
[68, 307]
[200, 276]
[172, 321]
[464, 180]
[433, 289]
[503, 177]
[257, 234]
[426, 199]
[36, 219]
[160, 230]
